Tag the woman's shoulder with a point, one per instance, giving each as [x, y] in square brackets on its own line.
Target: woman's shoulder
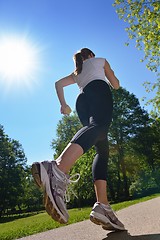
[99, 60]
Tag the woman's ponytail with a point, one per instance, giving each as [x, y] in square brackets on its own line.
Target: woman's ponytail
[81, 56]
[78, 63]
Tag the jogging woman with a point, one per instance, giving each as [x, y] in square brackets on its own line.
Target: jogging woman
[94, 106]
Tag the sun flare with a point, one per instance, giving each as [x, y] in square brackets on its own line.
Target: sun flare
[18, 61]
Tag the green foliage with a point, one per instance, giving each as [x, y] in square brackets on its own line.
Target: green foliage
[33, 197]
[145, 183]
[18, 191]
[147, 142]
[154, 87]
[128, 117]
[84, 188]
[12, 172]
[144, 25]
[143, 22]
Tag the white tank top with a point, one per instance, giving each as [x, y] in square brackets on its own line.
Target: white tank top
[92, 69]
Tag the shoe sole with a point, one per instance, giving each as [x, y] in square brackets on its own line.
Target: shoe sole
[49, 204]
[106, 225]
[51, 210]
[36, 173]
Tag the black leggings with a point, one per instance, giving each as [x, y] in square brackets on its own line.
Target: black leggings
[94, 107]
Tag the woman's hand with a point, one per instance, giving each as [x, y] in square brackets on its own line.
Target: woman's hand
[59, 85]
[65, 109]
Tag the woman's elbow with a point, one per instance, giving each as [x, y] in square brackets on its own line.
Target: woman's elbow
[117, 86]
[57, 84]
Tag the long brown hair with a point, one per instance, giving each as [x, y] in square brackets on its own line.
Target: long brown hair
[79, 57]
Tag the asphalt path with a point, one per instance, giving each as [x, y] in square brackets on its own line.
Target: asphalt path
[142, 222]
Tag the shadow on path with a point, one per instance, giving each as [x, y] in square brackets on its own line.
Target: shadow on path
[126, 236]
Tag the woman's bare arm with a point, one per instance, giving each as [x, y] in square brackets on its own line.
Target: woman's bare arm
[59, 85]
[110, 76]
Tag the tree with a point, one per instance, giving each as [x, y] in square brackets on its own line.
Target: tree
[147, 143]
[33, 196]
[12, 172]
[142, 17]
[128, 117]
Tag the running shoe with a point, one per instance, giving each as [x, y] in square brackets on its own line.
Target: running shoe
[103, 215]
[54, 184]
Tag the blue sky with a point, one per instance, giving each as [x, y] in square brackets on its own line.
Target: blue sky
[56, 29]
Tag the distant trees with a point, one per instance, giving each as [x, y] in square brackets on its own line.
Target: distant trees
[128, 118]
[12, 172]
[33, 198]
[15, 177]
[147, 145]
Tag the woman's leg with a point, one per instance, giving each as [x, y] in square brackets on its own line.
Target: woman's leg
[102, 213]
[83, 140]
[99, 171]
[100, 187]
[69, 156]
[73, 151]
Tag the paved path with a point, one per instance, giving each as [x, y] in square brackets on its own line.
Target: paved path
[141, 220]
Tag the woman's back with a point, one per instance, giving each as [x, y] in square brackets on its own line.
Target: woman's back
[92, 69]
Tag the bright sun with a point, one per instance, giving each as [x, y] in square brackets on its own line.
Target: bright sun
[18, 61]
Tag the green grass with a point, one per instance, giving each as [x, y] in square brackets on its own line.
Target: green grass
[39, 222]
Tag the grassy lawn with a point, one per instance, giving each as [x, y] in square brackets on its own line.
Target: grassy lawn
[28, 224]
